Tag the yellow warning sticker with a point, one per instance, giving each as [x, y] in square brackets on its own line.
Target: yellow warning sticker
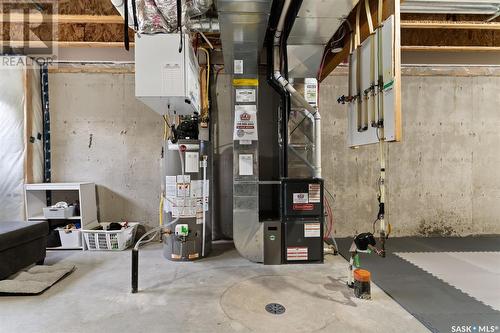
[245, 82]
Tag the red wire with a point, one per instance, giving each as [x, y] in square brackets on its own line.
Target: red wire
[329, 227]
[331, 219]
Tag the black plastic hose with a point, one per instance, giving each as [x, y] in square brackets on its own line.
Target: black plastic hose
[135, 270]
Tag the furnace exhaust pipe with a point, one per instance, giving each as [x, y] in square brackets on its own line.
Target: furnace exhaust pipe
[294, 93]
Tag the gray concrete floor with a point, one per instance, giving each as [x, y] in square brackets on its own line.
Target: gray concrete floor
[223, 293]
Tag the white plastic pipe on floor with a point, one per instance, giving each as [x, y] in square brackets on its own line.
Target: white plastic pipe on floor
[295, 94]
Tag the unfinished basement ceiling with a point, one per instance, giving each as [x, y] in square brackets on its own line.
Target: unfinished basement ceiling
[481, 7]
[93, 31]
[312, 29]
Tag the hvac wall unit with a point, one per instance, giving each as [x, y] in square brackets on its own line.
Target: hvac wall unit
[167, 80]
[21, 128]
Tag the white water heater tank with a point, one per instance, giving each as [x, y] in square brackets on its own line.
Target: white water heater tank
[167, 80]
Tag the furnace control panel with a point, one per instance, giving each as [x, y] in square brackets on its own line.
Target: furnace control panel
[302, 197]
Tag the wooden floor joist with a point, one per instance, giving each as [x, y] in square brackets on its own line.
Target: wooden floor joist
[61, 19]
[450, 25]
[451, 48]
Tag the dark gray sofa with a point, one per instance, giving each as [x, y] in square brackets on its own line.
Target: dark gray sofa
[21, 244]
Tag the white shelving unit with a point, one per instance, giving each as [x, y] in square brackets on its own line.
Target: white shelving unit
[35, 196]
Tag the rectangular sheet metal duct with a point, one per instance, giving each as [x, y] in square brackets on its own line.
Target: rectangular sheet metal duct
[315, 24]
[243, 27]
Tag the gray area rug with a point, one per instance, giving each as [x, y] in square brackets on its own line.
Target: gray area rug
[34, 280]
[437, 304]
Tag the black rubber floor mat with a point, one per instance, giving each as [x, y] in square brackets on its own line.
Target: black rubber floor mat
[436, 304]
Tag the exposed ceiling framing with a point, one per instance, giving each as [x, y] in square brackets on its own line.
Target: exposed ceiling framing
[427, 32]
[97, 24]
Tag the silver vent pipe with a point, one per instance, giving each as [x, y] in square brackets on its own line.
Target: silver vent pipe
[310, 110]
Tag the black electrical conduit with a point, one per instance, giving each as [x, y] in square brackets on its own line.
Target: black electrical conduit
[276, 9]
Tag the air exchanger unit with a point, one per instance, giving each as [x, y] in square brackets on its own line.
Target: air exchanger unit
[167, 74]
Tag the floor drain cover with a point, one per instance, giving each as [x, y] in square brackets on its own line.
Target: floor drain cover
[275, 308]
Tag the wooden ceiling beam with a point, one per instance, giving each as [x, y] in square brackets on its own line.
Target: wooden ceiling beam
[450, 48]
[332, 60]
[62, 44]
[406, 24]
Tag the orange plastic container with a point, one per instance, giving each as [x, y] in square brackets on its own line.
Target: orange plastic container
[362, 283]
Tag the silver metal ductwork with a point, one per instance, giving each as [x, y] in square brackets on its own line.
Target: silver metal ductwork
[316, 21]
[242, 29]
[243, 26]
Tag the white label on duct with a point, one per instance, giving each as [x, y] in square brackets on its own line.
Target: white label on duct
[312, 230]
[246, 107]
[300, 198]
[296, 253]
[191, 161]
[245, 124]
[246, 164]
[245, 96]
[314, 193]
[245, 142]
[170, 186]
[238, 66]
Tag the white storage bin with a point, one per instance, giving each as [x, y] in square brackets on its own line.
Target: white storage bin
[112, 240]
[58, 213]
[72, 239]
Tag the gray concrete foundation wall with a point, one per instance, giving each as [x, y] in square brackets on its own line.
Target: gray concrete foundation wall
[442, 178]
[101, 133]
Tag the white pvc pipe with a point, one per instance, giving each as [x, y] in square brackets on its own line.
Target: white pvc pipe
[281, 23]
[317, 144]
[203, 196]
[295, 94]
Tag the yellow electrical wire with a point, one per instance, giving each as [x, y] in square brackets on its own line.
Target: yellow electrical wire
[166, 127]
[207, 92]
[161, 209]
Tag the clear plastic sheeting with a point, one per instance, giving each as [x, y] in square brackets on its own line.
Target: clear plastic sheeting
[14, 139]
[12, 152]
[160, 16]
